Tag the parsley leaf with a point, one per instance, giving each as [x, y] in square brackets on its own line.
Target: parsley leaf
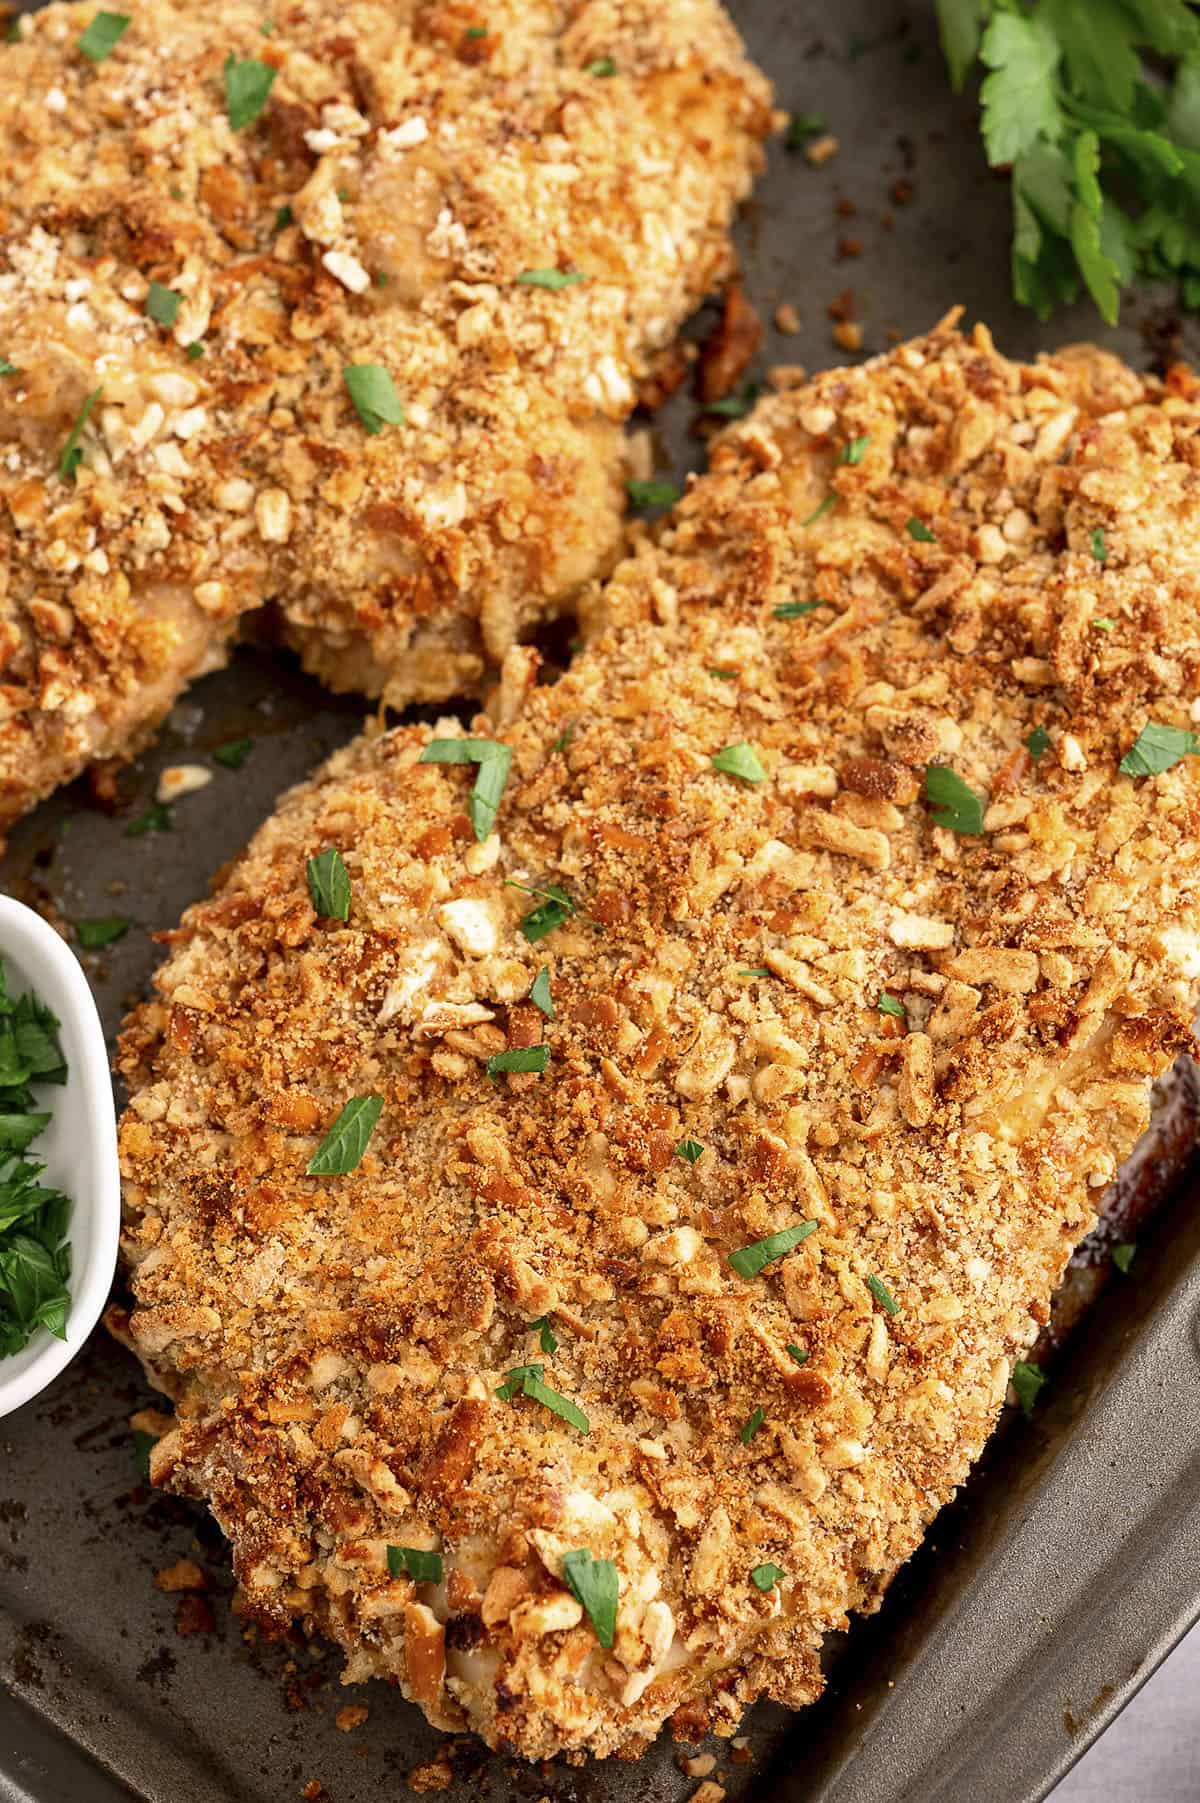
[689, 1149]
[918, 530]
[603, 66]
[539, 993]
[329, 884]
[156, 819]
[143, 1446]
[596, 1587]
[794, 610]
[653, 493]
[554, 910]
[802, 127]
[283, 217]
[883, 1295]
[764, 1577]
[413, 1562]
[374, 395]
[740, 760]
[1020, 95]
[7, 368]
[954, 804]
[523, 1058]
[342, 1148]
[1123, 1256]
[551, 278]
[818, 513]
[492, 760]
[855, 451]
[888, 1004]
[163, 304]
[1099, 548]
[1158, 748]
[247, 86]
[103, 35]
[751, 1426]
[1027, 1381]
[72, 456]
[749, 1260]
[527, 1381]
[1037, 742]
[515, 1378]
[234, 754]
[101, 930]
[797, 1352]
[734, 406]
[547, 1339]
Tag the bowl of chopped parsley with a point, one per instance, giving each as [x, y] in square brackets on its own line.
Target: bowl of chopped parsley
[59, 1189]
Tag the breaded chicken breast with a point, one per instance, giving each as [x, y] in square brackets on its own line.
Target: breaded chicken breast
[703, 1142]
[341, 307]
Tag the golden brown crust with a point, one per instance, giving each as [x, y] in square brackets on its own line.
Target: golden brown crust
[334, 1345]
[426, 169]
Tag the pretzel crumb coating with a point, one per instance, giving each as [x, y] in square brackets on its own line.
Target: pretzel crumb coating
[184, 282]
[770, 1426]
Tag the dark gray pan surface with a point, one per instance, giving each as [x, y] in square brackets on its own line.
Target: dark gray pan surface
[1071, 1563]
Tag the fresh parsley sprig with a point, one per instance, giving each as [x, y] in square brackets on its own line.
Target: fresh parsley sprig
[1105, 158]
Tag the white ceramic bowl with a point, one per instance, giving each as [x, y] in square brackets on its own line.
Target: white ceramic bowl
[78, 1148]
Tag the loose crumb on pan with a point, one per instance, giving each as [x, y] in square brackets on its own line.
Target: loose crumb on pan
[567, 1430]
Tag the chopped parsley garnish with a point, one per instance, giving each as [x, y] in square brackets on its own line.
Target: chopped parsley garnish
[603, 65]
[163, 304]
[413, 1562]
[283, 217]
[551, 278]
[234, 754]
[818, 513]
[7, 368]
[521, 1058]
[751, 1426]
[802, 127]
[795, 610]
[514, 1379]
[888, 1004]
[954, 804]
[725, 675]
[374, 395]
[101, 930]
[194, 351]
[749, 1260]
[526, 1380]
[477, 31]
[156, 819]
[247, 85]
[855, 450]
[143, 1446]
[1102, 625]
[1099, 548]
[547, 1339]
[103, 35]
[329, 884]
[653, 493]
[765, 1577]
[1158, 748]
[754, 970]
[554, 910]
[1037, 742]
[342, 1148]
[740, 760]
[798, 1353]
[918, 530]
[1027, 1381]
[735, 406]
[1123, 1256]
[883, 1295]
[492, 760]
[596, 1588]
[72, 456]
[539, 993]
[35, 1258]
[689, 1149]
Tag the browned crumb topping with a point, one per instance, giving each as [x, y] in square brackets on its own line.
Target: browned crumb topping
[403, 177]
[334, 1345]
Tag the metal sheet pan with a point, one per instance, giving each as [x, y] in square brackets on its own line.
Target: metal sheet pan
[1070, 1564]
